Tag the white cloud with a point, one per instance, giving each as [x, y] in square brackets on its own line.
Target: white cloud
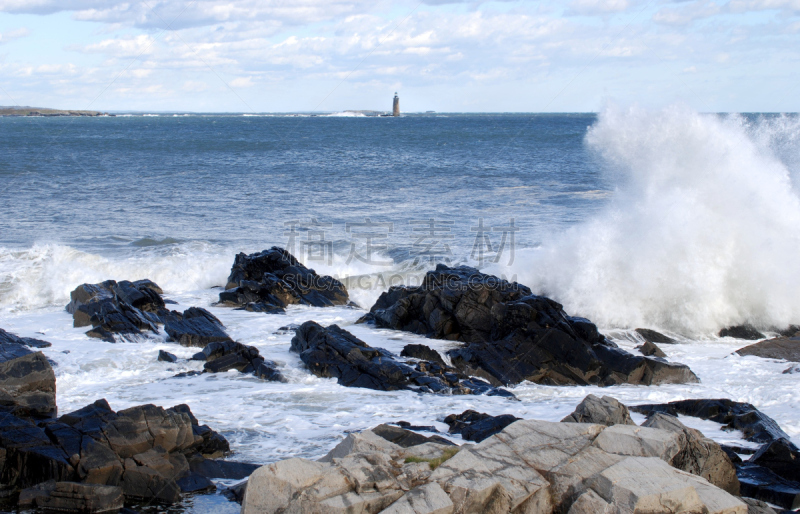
[11, 35]
[595, 7]
[687, 13]
[305, 48]
[242, 82]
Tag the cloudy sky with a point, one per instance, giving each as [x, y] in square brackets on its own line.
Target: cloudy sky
[443, 55]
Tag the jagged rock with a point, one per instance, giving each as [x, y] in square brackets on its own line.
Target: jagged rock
[781, 457]
[270, 280]
[27, 457]
[334, 352]
[787, 348]
[116, 308]
[698, 455]
[197, 327]
[651, 336]
[27, 382]
[649, 349]
[531, 466]
[166, 356]
[760, 483]
[477, 426]
[9, 338]
[127, 310]
[756, 426]
[747, 332]
[603, 411]
[73, 497]
[406, 438]
[235, 493]
[422, 352]
[224, 356]
[512, 335]
[143, 449]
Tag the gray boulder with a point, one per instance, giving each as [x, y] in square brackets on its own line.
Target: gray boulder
[603, 411]
[698, 455]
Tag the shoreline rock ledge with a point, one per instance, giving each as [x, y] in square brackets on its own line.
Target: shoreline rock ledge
[531, 467]
[511, 334]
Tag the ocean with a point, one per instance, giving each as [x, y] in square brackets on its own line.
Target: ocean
[670, 219]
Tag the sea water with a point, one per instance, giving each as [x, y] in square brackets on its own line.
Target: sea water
[672, 220]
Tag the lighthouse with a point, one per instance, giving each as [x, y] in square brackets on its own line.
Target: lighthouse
[396, 105]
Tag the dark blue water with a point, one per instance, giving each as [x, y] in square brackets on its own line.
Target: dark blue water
[110, 184]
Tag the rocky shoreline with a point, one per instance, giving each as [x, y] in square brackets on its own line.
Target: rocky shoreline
[95, 459]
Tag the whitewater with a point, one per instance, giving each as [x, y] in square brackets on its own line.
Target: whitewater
[671, 220]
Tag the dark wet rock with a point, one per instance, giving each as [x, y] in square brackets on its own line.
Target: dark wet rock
[9, 338]
[143, 449]
[125, 311]
[792, 370]
[747, 332]
[336, 353]
[786, 348]
[602, 411]
[756, 426]
[758, 507]
[194, 483]
[73, 497]
[166, 356]
[422, 352]
[698, 455]
[406, 438]
[781, 457]
[649, 349]
[112, 308]
[512, 335]
[185, 374]
[288, 329]
[270, 280]
[229, 355]
[27, 382]
[416, 428]
[790, 331]
[197, 327]
[27, 457]
[148, 284]
[477, 426]
[217, 468]
[235, 493]
[651, 336]
[762, 484]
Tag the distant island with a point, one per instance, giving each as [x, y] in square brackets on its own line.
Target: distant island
[39, 111]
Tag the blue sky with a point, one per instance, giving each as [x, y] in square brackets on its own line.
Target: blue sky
[281, 55]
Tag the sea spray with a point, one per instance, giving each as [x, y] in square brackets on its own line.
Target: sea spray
[703, 230]
[44, 275]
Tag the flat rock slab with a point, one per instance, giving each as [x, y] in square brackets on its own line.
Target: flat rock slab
[786, 348]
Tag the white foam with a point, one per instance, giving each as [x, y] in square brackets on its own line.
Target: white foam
[44, 275]
[703, 231]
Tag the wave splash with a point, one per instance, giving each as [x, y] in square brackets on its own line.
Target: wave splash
[703, 231]
[44, 274]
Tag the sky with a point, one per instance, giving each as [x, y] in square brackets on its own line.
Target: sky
[441, 55]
